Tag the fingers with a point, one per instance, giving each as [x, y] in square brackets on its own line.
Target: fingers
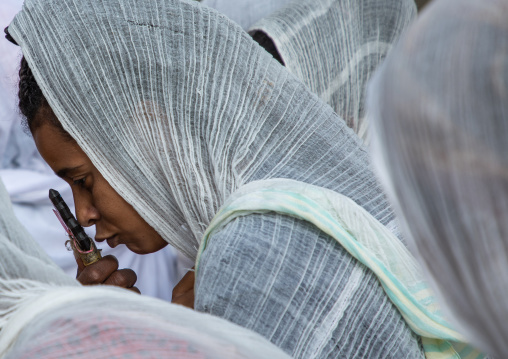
[134, 289]
[106, 272]
[125, 278]
[98, 272]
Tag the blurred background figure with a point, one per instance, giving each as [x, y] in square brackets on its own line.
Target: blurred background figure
[439, 108]
[28, 178]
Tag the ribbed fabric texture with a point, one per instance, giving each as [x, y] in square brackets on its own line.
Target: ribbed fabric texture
[177, 107]
[366, 240]
[287, 280]
[334, 47]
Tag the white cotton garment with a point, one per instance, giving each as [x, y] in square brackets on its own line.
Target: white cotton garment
[177, 107]
[334, 47]
[22, 258]
[440, 113]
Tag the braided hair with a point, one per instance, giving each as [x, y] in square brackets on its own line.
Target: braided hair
[30, 95]
[32, 100]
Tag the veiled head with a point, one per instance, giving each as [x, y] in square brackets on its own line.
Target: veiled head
[177, 107]
[169, 100]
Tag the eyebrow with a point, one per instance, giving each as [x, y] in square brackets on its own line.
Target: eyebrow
[65, 171]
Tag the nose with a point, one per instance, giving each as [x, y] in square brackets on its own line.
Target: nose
[86, 213]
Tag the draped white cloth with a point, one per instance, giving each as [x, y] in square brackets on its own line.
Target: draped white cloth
[8, 76]
[440, 111]
[22, 258]
[76, 322]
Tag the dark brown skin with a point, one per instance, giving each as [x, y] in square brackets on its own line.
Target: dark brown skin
[97, 203]
[183, 293]
[106, 272]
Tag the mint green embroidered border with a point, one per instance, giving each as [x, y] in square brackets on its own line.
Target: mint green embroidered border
[421, 314]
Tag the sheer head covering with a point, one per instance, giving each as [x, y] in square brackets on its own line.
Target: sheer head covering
[441, 124]
[177, 107]
[334, 46]
[46, 314]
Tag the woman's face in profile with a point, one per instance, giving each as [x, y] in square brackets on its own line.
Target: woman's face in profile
[97, 203]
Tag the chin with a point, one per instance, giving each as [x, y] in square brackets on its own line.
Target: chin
[140, 250]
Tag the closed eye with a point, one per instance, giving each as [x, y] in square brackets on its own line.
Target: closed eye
[80, 182]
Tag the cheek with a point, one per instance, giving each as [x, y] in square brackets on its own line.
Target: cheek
[138, 235]
[108, 202]
[115, 210]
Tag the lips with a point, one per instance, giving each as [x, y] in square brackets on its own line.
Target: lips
[108, 238]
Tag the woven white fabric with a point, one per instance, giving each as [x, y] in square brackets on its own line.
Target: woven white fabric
[69, 322]
[23, 261]
[177, 107]
[289, 281]
[334, 47]
[440, 113]
[368, 241]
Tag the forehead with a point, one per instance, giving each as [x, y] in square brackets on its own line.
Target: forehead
[56, 148]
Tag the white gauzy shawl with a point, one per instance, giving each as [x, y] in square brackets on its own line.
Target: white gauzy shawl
[367, 240]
